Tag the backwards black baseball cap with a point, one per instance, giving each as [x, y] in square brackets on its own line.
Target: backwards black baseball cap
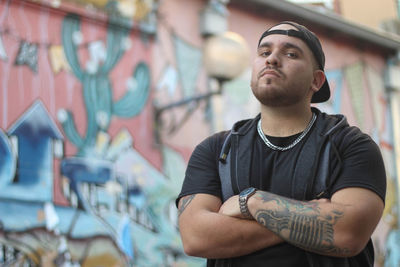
[314, 44]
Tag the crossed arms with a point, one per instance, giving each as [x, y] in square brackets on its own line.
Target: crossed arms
[338, 227]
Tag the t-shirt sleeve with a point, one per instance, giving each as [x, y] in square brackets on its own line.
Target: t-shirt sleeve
[362, 164]
[202, 170]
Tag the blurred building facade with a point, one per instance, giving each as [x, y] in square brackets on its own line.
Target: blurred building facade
[379, 15]
[103, 101]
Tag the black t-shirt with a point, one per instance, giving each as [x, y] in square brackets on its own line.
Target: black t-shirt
[272, 171]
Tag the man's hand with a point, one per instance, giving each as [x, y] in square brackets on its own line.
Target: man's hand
[231, 207]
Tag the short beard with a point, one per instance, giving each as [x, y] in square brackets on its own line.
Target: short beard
[276, 97]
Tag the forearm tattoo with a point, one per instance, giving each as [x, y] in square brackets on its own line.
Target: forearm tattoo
[300, 223]
[183, 203]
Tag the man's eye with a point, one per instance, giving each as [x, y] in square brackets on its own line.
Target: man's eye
[264, 53]
[291, 54]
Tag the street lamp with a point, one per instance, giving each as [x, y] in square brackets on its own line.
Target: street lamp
[225, 57]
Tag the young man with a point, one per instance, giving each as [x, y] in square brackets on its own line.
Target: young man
[299, 187]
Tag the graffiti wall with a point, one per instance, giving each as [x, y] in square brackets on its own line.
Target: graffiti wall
[82, 182]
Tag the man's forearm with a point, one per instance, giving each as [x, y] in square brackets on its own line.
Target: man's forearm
[208, 234]
[225, 237]
[303, 224]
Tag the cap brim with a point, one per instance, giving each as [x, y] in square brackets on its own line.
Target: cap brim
[322, 95]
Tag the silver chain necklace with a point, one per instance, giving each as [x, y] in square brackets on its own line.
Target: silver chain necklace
[295, 142]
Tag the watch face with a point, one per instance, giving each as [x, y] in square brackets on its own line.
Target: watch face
[247, 191]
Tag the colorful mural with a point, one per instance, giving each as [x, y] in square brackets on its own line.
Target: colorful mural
[76, 186]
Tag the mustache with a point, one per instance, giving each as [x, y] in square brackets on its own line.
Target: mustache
[261, 73]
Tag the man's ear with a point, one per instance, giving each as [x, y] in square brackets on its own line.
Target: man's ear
[318, 81]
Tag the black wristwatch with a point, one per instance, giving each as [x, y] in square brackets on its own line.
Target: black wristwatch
[243, 197]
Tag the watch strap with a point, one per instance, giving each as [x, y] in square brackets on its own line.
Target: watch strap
[243, 198]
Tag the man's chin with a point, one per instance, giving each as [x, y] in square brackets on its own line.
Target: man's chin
[278, 101]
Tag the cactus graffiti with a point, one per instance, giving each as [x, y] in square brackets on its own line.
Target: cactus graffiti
[97, 91]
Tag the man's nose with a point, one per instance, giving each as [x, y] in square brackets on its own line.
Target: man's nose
[272, 59]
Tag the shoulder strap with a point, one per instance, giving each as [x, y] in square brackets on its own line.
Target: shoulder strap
[237, 148]
[311, 172]
[224, 168]
[304, 167]
[314, 161]
[235, 162]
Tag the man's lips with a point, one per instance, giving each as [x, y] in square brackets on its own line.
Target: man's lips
[272, 72]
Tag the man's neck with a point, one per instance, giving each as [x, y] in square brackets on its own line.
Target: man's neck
[286, 121]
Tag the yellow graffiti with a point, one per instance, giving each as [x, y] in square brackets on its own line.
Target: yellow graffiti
[57, 59]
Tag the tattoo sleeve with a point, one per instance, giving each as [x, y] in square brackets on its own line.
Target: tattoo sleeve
[184, 202]
[300, 223]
